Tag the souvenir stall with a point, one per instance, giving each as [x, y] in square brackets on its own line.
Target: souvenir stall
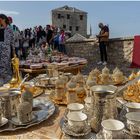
[37, 63]
[59, 105]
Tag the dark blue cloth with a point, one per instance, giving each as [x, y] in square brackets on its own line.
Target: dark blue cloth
[103, 52]
[62, 48]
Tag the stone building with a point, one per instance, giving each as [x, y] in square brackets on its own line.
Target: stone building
[70, 19]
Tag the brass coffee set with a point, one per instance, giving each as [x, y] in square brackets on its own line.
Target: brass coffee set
[77, 87]
[91, 102]
[132, 93]
[17, 84]
[97, 111]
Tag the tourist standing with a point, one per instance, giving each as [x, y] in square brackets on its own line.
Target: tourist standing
[49, 35]
[16, 40]
[41, 35]
[26, 38]
[32, 39]
[56, 40]
[103, 42]
[6, 49]
[62, 42]
[21, 44]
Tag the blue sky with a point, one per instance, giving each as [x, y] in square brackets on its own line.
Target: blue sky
[123, 18]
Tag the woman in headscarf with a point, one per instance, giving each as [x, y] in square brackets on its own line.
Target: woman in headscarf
[6, 49]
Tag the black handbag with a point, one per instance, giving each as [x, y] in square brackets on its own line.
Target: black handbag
[2, 35]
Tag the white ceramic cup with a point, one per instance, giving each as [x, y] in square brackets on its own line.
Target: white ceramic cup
[132, 107]
[112, 128]
[77, 120]
[75, 107]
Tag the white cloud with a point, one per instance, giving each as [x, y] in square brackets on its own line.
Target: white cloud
[9, 12]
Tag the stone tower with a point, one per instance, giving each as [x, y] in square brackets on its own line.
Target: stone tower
[70, 19]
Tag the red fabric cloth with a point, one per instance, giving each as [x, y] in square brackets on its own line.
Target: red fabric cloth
[136, 53]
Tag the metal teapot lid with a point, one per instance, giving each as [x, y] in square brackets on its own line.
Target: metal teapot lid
[104, 89]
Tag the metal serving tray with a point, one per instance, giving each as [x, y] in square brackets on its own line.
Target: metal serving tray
[42, 109]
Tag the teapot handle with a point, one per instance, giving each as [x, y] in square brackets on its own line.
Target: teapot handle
[25, 77]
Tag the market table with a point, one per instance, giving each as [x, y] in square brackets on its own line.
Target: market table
[48, 129]
[74, 69]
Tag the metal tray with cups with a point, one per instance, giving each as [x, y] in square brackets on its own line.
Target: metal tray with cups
[77, 122]
[74, 122]
[44, 81]
[42, 110]
[130, 115]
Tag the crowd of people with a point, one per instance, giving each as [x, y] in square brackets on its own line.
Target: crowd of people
[19, 42]
[36, 36]
[12, 39]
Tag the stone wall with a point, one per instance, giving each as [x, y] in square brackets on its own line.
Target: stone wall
[119, 53]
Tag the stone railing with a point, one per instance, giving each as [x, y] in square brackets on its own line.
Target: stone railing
[119, 52]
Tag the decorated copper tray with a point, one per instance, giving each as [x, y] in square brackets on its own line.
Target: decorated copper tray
[56, 101]
[47, 82]
[132, 93]
[42, 109]
[38, 92]
[116, 84]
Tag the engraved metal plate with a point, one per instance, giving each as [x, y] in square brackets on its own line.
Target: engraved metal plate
[87, 134]
[15, 121]
[42, 108]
